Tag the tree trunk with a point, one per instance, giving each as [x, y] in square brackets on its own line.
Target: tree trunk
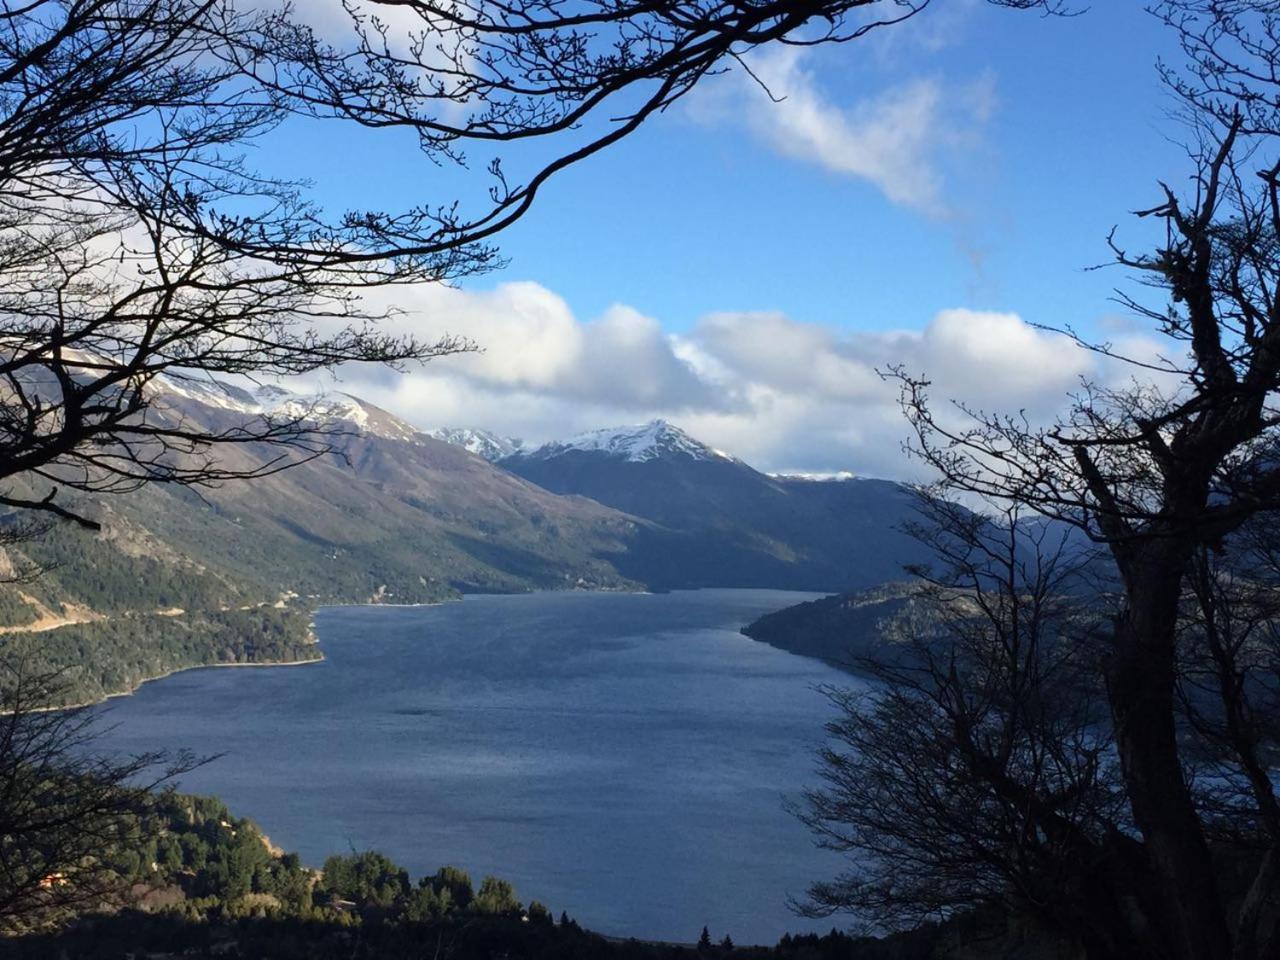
[1140, 686]
[1255, 928]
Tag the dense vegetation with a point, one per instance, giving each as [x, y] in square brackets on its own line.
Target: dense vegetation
[202, 882]
[124, 607]
[124, 571]
[841, 629]
[103, 657]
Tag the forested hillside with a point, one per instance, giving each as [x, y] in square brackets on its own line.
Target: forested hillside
[846, 627]
[179, 577]
[193, 879]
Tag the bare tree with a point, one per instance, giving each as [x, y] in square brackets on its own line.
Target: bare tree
[583, 74]
[136, 241]
[66, 808]
[1168, 466]
[980, 771]
[1229, 692]
[978, 768]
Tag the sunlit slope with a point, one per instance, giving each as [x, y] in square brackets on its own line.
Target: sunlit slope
[180, 577]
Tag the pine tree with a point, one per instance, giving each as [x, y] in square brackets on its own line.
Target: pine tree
[704, 941]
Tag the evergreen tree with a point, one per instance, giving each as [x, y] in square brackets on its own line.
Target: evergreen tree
[369, 879]
[538, 912]
[495, 896]
[457, 883]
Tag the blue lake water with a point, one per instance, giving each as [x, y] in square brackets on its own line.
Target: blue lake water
[622, 757]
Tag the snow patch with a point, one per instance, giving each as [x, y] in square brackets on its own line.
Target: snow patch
[636, 444]
[482, 443]
[274, 400]
[836, 476]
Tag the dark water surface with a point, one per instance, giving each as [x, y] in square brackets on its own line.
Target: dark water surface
[622, 757]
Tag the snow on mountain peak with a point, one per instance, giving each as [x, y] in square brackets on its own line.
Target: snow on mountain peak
[482, 443]
[637, 443]
[836, 476]
[271, 399]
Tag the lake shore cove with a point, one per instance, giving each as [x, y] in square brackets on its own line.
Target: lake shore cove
[112, 657]
[516, 735]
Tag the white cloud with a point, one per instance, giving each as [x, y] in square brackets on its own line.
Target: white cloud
[999, 359]
[896, 139]
[531, 341]
[780, 393]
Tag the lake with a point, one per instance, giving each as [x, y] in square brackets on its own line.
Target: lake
[622, 757]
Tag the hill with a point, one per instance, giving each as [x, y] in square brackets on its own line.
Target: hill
[846, 627]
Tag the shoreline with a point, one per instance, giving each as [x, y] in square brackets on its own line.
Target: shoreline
[370, 603]
[86, 704]
[314, 640]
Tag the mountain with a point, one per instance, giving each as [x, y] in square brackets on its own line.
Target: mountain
[716, 521]
[181, 577]
[655, 440]
[179, 396]
[482, 443]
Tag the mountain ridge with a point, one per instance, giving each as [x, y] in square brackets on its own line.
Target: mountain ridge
[635, 443]
[483, 443]
[393, 514]
[717, 521]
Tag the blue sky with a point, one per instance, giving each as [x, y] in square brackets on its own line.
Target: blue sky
[712, 219]
[970, 160]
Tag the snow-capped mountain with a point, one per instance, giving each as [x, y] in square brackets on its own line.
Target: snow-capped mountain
[340, 409]
[669, 511]
[393, 508]
[635, 444]
[716, 521]
[836, 476]
[482, 443]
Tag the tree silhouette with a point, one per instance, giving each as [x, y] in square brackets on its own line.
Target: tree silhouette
[136, 243]
[65, 807]
[584, 75]
[980, 769]
[1169, 465]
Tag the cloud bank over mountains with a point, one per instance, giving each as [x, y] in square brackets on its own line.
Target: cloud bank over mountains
[778, 392]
